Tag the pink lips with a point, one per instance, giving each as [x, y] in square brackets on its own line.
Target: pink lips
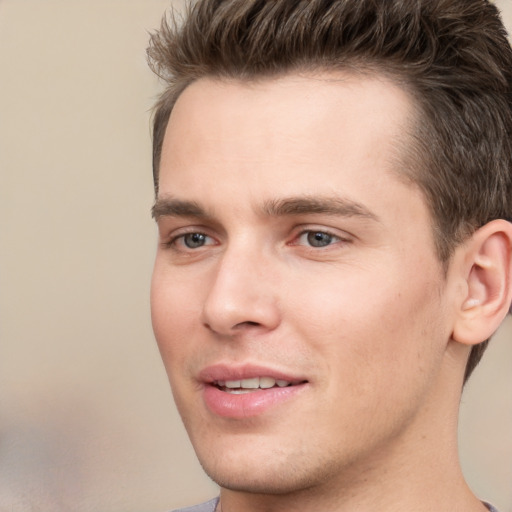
[225, 404]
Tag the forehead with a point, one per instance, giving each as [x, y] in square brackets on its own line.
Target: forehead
[296, 134]
[281, 111]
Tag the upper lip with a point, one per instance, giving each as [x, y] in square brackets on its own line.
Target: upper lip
[233, 372]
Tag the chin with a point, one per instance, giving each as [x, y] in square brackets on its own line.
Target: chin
[267, 476]
[267, 485]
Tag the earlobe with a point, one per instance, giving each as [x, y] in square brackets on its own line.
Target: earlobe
[487, 270]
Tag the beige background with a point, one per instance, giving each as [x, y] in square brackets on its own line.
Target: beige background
[86, 416]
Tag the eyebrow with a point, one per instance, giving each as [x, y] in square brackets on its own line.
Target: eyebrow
[338, 206]
[291, 206]
[169, 207]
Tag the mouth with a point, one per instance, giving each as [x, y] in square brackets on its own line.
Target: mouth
[239, 392]
[242, 386]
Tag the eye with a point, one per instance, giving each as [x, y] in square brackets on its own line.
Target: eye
[185, 245]
[194, 240]
[317, 238]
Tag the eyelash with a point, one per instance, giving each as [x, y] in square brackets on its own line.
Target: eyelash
[173, 242]
[332, 238]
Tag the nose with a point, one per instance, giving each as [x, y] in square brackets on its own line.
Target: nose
[242, 295]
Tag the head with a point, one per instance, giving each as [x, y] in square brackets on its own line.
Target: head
[332, 179]
[451, 56]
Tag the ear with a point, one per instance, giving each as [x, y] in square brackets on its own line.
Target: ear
[486, 267]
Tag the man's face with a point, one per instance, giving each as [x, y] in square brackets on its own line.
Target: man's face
[294, 258]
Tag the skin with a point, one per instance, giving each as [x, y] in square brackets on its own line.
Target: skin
[366, 320]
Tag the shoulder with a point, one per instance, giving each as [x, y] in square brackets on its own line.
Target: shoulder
[209, 506]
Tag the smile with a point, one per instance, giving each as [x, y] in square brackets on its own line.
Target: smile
[240, 391]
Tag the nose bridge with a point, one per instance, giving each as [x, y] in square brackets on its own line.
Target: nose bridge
[241, 292]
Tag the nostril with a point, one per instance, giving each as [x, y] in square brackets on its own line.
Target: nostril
[240, 325]
[247, 324]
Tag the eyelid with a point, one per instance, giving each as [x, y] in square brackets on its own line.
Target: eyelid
[170, 240]
[340, 236]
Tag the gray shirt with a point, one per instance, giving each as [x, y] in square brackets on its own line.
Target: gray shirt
[210, 506]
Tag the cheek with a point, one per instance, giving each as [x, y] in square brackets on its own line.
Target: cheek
[174, 318]
[174, 313]
[373, 331]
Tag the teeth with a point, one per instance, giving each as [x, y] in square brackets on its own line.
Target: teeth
[267, 382]
[254, 383]
[250, 383]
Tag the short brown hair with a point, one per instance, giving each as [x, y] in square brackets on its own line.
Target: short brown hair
[452, 56]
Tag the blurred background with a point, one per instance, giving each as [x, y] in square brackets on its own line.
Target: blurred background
[87, 421]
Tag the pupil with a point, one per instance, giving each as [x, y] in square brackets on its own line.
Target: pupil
[319, 239]
[194, 240]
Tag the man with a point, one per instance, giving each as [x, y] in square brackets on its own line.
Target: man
[332, 186]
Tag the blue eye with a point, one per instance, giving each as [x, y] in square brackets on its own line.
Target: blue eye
[194, 240]
[188, 243]
[317, 238]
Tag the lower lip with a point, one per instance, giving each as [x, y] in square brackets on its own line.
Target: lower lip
[250, 404]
